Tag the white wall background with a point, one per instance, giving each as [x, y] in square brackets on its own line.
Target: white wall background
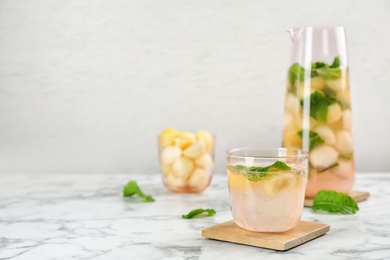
[86, 86]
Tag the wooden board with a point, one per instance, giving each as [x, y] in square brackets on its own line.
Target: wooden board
[303, 232]
[355, 194]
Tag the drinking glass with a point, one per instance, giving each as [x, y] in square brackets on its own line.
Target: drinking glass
[266, 187]
[186, 164]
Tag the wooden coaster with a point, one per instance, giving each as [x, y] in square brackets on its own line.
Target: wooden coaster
[230, 232]
[355, 194]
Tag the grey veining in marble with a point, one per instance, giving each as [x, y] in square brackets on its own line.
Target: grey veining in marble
[70, 216]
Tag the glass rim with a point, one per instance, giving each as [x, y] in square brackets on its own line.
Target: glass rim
[303, 153]
[184, 138]
[318, 27]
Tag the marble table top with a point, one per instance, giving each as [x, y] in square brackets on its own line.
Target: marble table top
[84, 216]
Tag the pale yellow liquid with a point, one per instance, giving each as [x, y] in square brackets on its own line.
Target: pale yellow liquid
[254, 209]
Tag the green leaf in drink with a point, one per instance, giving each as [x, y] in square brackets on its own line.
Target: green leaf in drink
[329, 73]
[319, 103]
[296, 73]
[334, 202]
[131, 188]
[318, 64]
[314, 138]
[318, 106]
[257, 173]
[336, 62]
[199, 213]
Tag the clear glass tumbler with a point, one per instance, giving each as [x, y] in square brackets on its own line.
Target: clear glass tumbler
[267, 187]
[186, 163]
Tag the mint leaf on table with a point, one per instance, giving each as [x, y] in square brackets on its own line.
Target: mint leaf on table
[314, 139]
[257, 173]
[329, 201]
[296, 73]
[131, 188]
[198, 212]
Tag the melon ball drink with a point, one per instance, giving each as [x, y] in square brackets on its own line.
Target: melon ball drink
[266, 187]
[186, 159]
[318, 115]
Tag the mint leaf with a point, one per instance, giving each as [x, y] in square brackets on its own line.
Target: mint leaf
[318, 64]
[253, 173]
[329, 73]
[328, 201]
[131, 188]
[296, 73]
[280, 165]
[257, 173]
[254, 176]
[197, 212]
[239, 168]
[336, 62]
[318, 106]
[314, 139]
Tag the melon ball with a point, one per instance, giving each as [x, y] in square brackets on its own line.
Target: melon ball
[182, 167]
[334, 113]
[205, 161]
[344, 142]
[198, 179]
[326, 134]
[167, 137]
[207, 138]
[185, 140]
[195, 150]
[323, 156]
[170, 154]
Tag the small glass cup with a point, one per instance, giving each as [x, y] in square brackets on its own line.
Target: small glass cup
[186, 164]
[262, 198]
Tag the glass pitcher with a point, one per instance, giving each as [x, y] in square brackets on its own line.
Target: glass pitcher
[318, 115]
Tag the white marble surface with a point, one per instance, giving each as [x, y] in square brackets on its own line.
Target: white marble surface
[70, 216]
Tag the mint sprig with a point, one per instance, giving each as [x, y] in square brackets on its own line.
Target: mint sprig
[314, 139]
[198, 212]
[322, 69]
[257, 173]
[328, 201]
[131, 188]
